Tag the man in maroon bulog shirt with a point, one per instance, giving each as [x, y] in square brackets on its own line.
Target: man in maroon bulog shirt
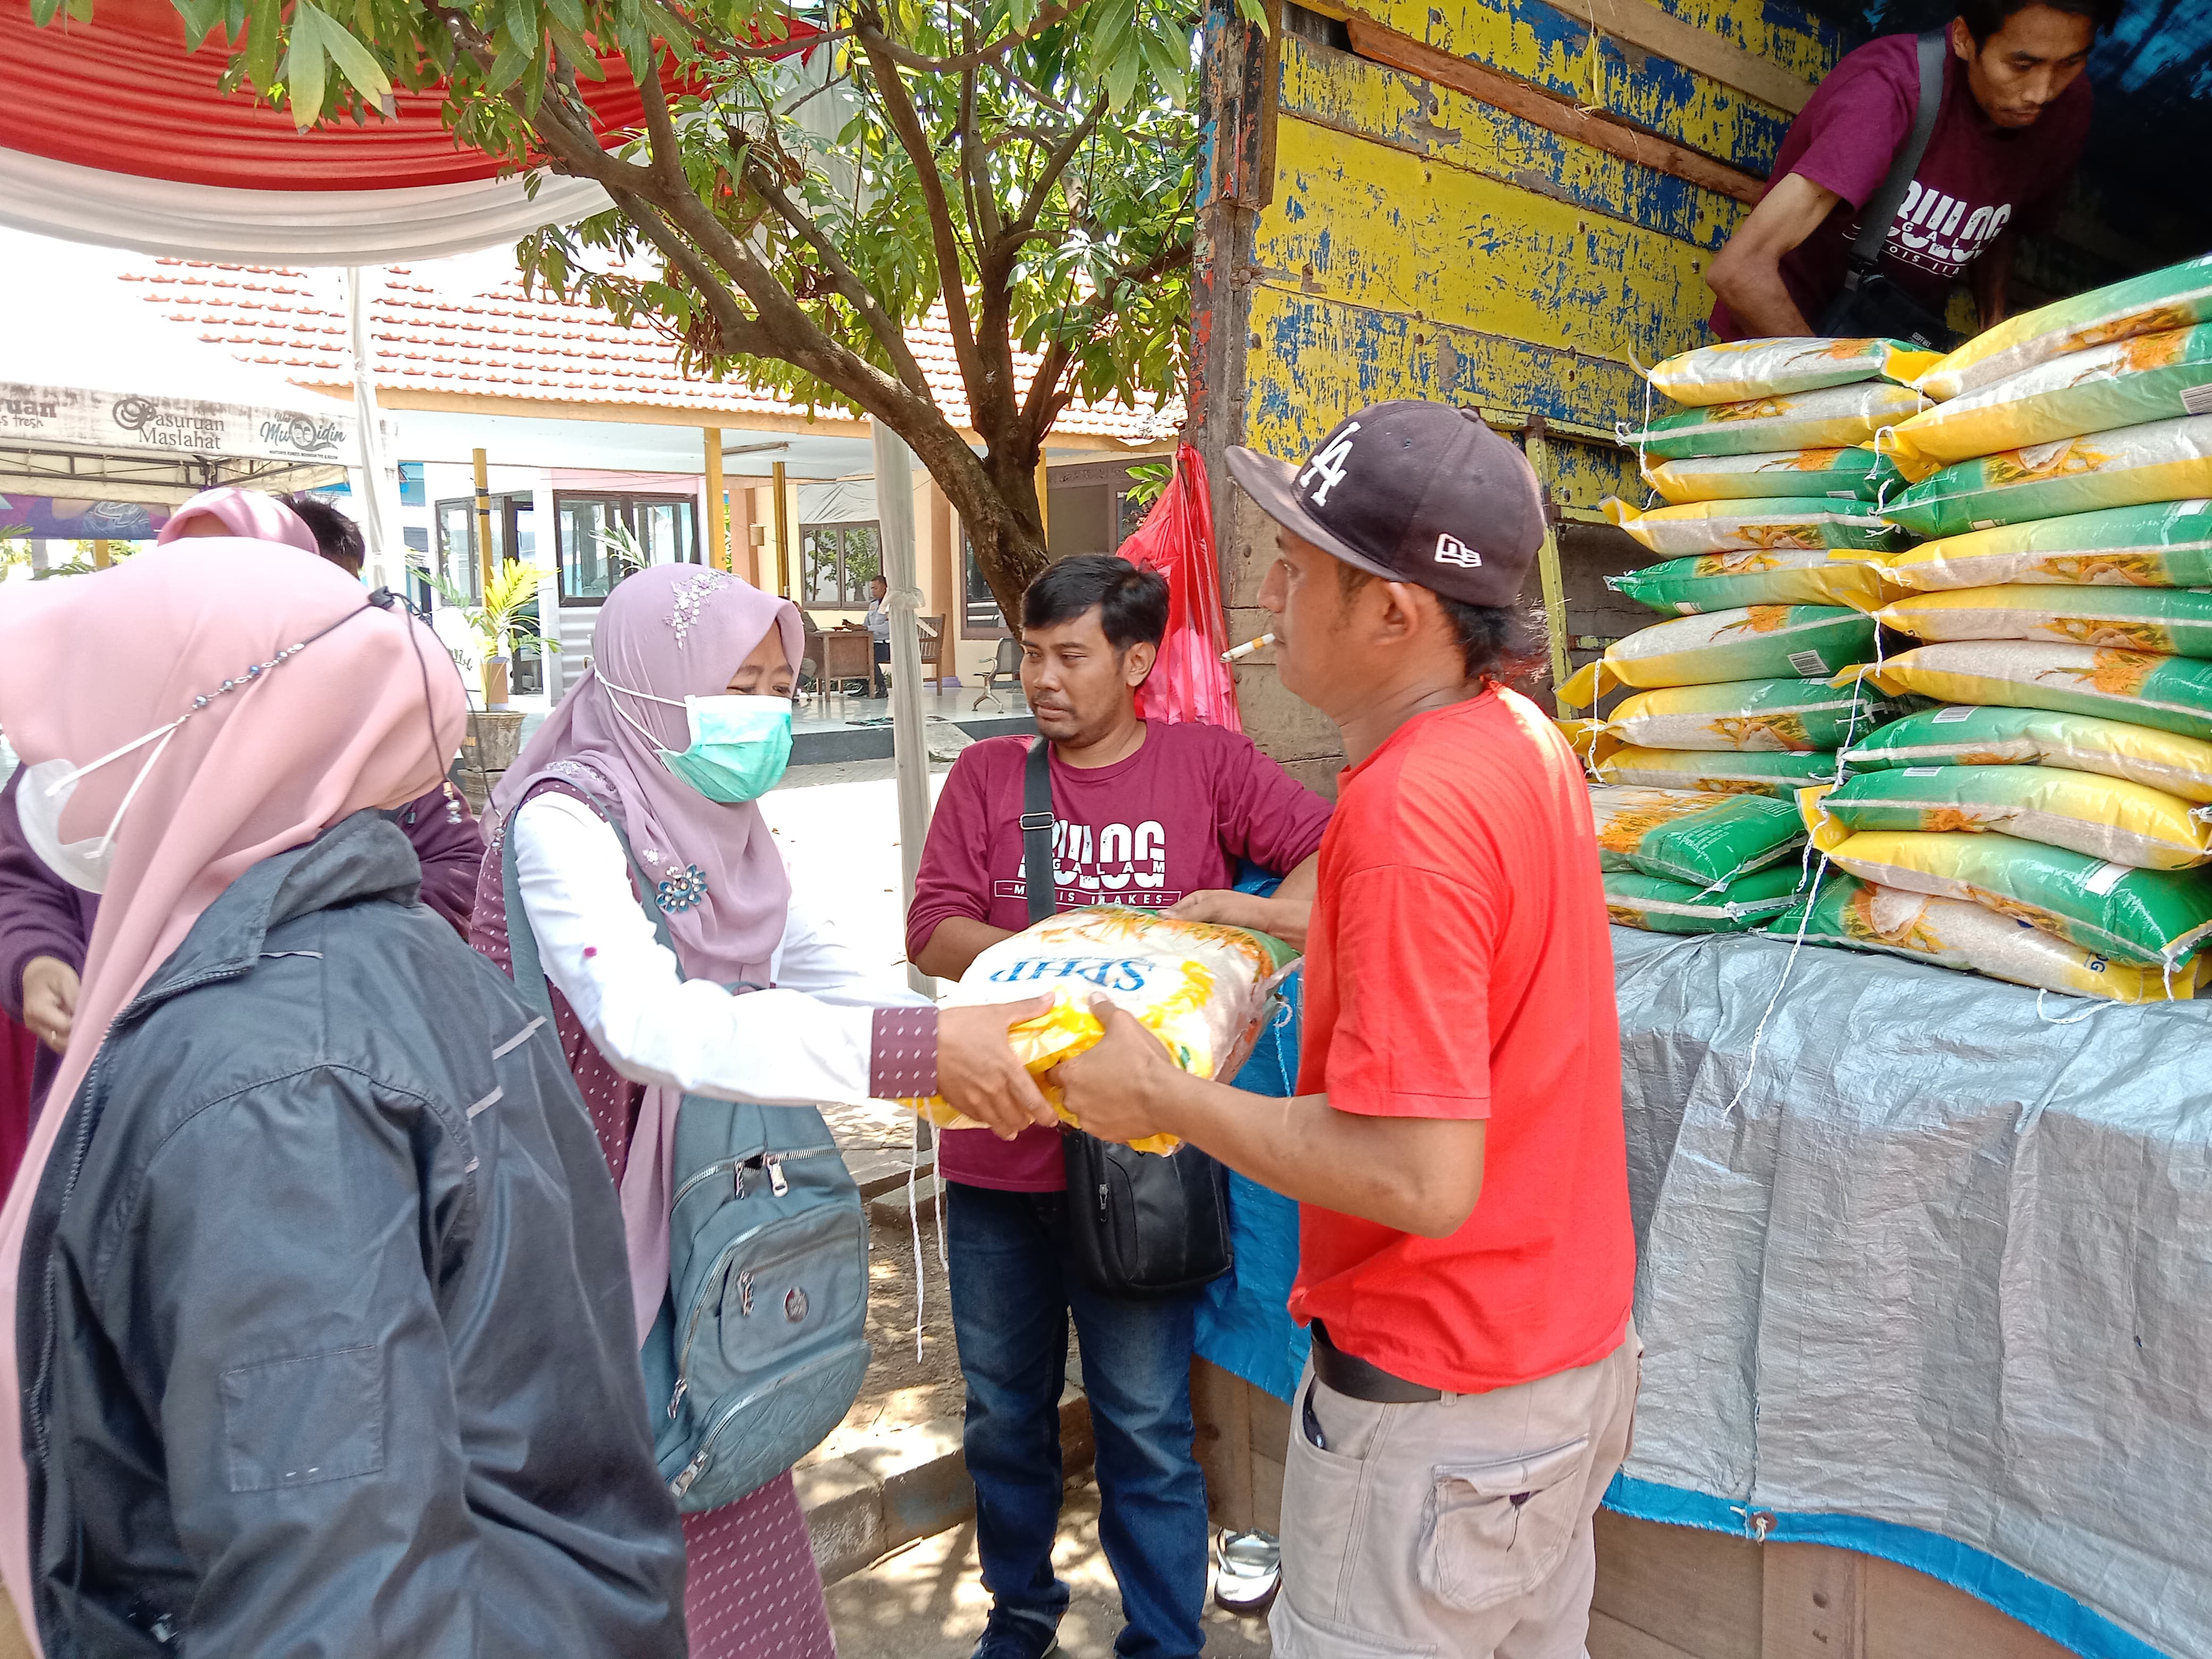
[2015, 111]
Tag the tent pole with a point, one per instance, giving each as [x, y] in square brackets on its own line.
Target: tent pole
[484, 569]
[782, 522]
[718, 510]
[895, 516]
[375, 508]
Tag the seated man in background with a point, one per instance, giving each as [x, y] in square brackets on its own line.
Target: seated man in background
[2013, 115]
[1144, 814]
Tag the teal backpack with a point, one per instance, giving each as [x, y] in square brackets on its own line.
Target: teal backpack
[760, 1345]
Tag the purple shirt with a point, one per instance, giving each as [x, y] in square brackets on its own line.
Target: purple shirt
[1173, 818]
[1975, 180]
[43, 915]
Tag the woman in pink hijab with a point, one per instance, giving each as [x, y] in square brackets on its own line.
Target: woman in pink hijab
[673, 732]
[315, 1307]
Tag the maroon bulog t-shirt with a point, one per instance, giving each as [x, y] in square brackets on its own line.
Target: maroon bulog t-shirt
[1175, 818]
[1975, 180]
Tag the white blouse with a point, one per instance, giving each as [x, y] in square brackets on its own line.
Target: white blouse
[804, 1042]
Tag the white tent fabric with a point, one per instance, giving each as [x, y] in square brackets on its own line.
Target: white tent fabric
[293, 228]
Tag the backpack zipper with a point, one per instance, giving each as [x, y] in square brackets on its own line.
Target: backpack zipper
[727, 1166]
[688, 1477]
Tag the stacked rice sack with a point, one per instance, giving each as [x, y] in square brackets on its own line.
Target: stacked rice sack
[2049, 825]
[1767, 540]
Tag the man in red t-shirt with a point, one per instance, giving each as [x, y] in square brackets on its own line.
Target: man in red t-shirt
[1147, 815]
[1456, 1145]
[2014, 113]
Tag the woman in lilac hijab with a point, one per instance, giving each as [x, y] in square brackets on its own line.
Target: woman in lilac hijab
[760, 1000]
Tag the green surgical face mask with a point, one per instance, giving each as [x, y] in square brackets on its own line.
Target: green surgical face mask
[739, 746]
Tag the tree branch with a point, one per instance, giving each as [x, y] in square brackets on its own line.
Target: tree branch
[1046, 397]
[1055, 164]
[923, 64]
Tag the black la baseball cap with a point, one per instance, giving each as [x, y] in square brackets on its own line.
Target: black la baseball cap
[1411, 492]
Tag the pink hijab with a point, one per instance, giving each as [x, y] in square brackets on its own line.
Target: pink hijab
[673, 631]
[670, 631]
[246, 512]
[89, 664]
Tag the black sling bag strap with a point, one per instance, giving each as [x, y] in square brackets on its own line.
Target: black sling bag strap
[1139, 1225]
[1036, 833]
[1870, 304]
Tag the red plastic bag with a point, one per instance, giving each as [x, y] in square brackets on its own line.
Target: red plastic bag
[1190, 682]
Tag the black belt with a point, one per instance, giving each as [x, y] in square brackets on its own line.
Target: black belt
[1355, 1378]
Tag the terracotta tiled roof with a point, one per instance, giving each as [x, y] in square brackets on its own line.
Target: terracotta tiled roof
[502, 344]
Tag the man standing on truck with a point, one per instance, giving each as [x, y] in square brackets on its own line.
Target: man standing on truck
[1456, 1147]
[1880, 203]
[1143, 814]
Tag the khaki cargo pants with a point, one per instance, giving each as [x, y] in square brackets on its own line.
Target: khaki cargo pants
[1458, 1528]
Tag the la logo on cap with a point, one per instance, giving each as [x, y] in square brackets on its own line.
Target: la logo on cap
[1452, 550]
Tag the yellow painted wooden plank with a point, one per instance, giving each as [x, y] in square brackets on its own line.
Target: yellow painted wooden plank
[1361, 222]
[1351, 95]
[1551, 45]
[1317, 360]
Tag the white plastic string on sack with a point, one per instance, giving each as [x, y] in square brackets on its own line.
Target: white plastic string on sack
[1759, 1031]
[2071, 1019]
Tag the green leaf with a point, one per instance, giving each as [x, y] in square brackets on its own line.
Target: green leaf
[513, 57]
[264, 39]
[355, 61]
[303, 67]
[42, 11]
[200, 17]
[567, 15]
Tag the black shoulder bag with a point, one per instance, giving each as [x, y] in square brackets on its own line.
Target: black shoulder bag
[1870, 305]
[1140, 1225]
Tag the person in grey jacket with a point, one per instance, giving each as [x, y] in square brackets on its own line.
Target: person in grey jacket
[323, 1342]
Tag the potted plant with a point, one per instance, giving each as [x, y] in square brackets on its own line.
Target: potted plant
[498, 621]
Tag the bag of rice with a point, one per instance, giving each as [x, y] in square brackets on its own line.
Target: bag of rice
[1768, 524]
[1721, 581]
[1201, 988]
[1726, 772]
[1963, 736]
[1730, 371]
[2157, 544]
[2105, 818]
[1757, 643]
[1660, 906]
[1840, 416]
[1798, 715]
[1855, 473]
[1694, 835]
[2151, 377]
[1953, 934]
[2163, 461]
[2179, 296]
[2174, 622]
[2173, 694]
[2112, 909]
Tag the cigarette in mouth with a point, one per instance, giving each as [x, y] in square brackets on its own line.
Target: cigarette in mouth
[1248, 648]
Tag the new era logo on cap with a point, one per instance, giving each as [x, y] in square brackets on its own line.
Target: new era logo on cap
[1412, 492]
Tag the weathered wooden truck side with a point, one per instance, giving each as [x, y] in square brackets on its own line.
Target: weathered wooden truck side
[1417, 199]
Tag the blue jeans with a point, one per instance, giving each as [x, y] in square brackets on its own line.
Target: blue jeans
[1011, 1296]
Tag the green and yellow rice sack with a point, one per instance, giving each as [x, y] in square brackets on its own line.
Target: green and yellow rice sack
[1756, 642]
[1723, 581]
[2173, 694]
[2153, 544]
[1751, 715]
[2163, 461]
[1730, 771]
[2151, 377]
[1836, 417]
[2106, 818]
[1731, 371]
[1660, 906]
[1841, 909]
[2170, 621]
[1771, 524]
[2111, 909]
[1962, 735]
[2177, 296]
[1692, 835]
[1853, 473]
